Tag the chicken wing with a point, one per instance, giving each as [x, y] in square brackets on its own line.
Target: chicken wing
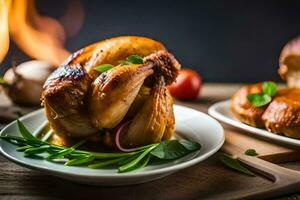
[114, 91]
[149, 124]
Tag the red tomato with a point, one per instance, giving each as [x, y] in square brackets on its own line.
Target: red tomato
[187, 85]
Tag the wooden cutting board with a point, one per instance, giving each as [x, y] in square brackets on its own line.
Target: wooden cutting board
[267, 149]
[285, 181]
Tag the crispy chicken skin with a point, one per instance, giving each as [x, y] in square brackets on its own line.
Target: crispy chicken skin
[283, 113]
[114, 91]
[64, 98]
[79, 101]
[152, 123]
[243, 110]
[149, 124]
[65, 92]
[115, 49]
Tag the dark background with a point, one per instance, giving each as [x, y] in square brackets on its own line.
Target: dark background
[225, 41]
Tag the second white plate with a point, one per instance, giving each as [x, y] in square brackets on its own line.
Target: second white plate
[221, 111]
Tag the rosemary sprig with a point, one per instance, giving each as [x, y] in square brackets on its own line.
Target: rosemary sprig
[72, 156]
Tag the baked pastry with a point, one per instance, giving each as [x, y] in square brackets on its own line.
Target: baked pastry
[243, 110]
[283, 113]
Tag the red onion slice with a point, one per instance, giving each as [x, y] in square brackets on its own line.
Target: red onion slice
[117, 137]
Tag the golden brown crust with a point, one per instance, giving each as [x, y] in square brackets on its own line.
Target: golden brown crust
[113, 92]
[170, 127]
[149, 124]
[164, 64]
[112, 50]
[242, 108]
[283, 113]
[66, 90]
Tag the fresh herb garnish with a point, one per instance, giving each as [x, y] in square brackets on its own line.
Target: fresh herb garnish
[133, 59]
[72, 156]
[174, 149]
[269, 89]
[259, 100]
[233, 163]
[251, 152]
[103, 68]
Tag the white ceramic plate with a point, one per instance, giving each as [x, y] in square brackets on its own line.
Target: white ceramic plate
[190, 124]
[221, 111]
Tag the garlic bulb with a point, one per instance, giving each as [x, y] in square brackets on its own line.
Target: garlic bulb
[25, 82]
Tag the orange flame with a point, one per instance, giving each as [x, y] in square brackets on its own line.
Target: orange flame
[4, 32]
[39, 37]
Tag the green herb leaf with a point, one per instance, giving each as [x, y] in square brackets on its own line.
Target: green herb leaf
[36, 150]
[127, 167]
[174, 149]
[25, 132]
[81, 160]
[23, 148]
[59, 154]
[65, 152]
[269, 88]
[128, 159]
[143, 163]
[190, 145]
[18, 141]
[135, 59]
[251, 152]
[103, 68]
[233, 163]
[259, 100]
[110, 155]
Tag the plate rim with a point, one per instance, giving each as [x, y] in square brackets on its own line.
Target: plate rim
[164, 170]
[212, 110]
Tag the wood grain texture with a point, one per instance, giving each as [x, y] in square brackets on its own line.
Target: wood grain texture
[207, 180]
[266, 150]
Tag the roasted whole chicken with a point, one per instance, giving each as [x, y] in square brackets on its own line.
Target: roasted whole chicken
[282, 114]
[81, 102]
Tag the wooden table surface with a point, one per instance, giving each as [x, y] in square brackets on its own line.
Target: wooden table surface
[206, 180]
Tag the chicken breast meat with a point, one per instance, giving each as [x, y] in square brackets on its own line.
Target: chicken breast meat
[80, 101]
